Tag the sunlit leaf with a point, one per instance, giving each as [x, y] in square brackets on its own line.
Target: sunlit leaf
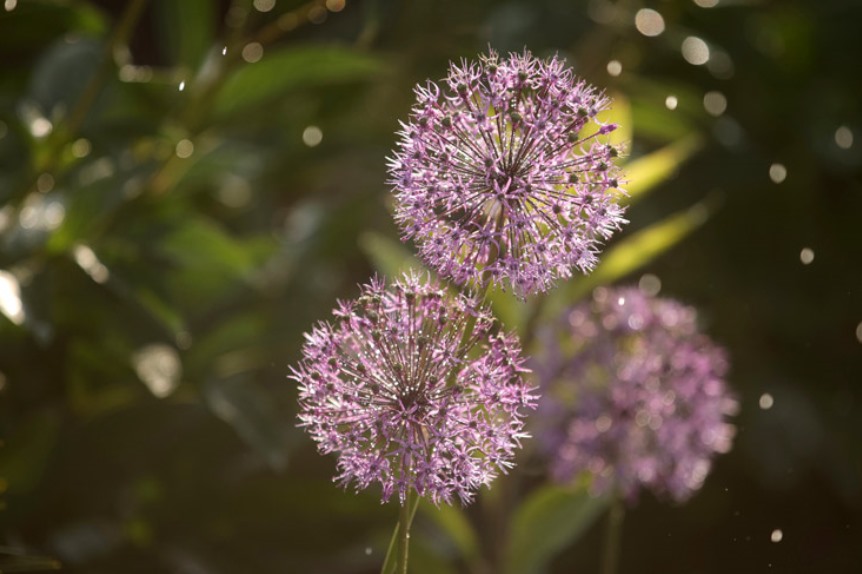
[389, 257]
[645, 173]
[511, 311]
[550, 519]
[632, 253]
[619, 113]
[292, 68]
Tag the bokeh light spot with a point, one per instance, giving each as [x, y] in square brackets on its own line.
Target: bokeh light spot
[777, 172]
[649, 22]
[40, 127]
[10, 298]
[806, 255]
[695, 51]
[185, 148]
[649, 284]
[45, 183]
[615, 68]
[81, 148]
[87, 260]
[159, 367]
[312, 136]
[714, 103]
[766, 401]
[777, 535]
[252, 52]
[844, 137]
[671, 102]
[720, 65]
[264, 5]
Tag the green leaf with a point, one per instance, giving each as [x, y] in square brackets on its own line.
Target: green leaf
[457, 527]
[209, 263]
[550, 519]
[188, 30]
[619, 113]
[511, 311]
[244, 406]
[632, 253]
[645, 173]
[279, 72]
[389, 257]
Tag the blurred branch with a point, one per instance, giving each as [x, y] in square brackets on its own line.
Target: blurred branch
[76, 118]
[120, 37]
[290, 21]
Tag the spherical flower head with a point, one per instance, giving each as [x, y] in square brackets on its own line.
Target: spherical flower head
[634, 395]
[414, 388]
[502, 173]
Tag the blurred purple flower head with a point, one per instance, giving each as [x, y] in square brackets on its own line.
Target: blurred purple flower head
[501, 174]
[408, 396]
[634, 395]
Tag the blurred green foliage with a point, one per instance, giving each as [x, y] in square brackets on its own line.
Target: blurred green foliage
[186, 186]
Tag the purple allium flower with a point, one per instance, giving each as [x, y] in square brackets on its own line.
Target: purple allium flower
[409, 396]
[634, 395]
[493, 179]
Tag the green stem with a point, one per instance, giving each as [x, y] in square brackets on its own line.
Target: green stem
[404, 534]
[407, 512]
[613, 536]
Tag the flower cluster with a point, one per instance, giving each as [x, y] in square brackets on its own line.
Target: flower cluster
[414, 388]
[501, 176]
[634, 395]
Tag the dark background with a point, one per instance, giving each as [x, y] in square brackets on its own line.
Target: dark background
[146, 423]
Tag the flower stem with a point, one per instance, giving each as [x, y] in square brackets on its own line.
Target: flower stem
[408, 511]
[404, 533]
[613, 536]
